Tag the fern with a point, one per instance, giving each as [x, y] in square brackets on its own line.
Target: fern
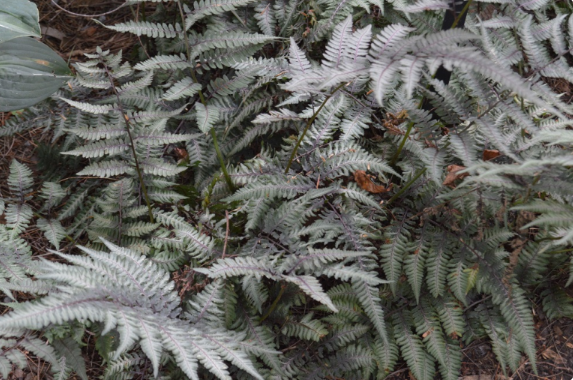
[244, 159]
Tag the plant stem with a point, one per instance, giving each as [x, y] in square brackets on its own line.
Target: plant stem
[406, 186]
[131, 144]
[464, 10]
[220, 157]
[308, 124]
[401, 146]
[397, 154]
[274, 304]
[222, 162]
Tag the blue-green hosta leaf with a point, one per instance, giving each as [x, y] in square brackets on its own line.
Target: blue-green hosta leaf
[29, 73]
[18, 18]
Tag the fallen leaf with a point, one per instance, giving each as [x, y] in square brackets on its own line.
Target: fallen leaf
[365, 183]
[48, 31]
[181, 153]
[490, 154]
[552, 355]
[478, 377]
[392, 122]
[453, 175]
[90, 31]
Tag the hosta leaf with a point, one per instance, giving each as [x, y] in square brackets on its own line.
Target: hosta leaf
[29, 73]
[18, 18]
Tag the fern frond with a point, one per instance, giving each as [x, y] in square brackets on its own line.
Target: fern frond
[206, 116]
[20, 179]
[183, 88]
[165, 62]
[53, 230]
[203, 8]
[145, 28]
[88, 107]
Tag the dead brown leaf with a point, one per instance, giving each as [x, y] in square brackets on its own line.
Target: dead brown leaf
[363, 180]
[52, 32]
[90, 31]
[523, 218]
[392, 122]
[549, 354]
[181, 153]
[427, 333]
[453, 175]
[478, 377]
[490, 154]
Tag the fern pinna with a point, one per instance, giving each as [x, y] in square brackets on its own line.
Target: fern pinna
[229, 153]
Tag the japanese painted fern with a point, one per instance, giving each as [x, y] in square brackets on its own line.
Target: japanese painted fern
[243, 156]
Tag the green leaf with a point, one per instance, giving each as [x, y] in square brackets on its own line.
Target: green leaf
[69, 349]
[29, 73]
[18, 18]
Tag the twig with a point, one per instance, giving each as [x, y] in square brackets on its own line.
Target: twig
[89, 16]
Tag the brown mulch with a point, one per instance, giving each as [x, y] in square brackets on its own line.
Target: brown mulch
[71, 36]
[71, 30]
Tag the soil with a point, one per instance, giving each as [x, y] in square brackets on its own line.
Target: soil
[69, 29]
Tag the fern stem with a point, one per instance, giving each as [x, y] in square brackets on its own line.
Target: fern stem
[464, 10]
[274, 304]
[131, 144]
[406, 186]
[561, 251]
[234, 12]
[222, 162]
[308, 124]
[401, 146]
[220, 157]
[403, 142]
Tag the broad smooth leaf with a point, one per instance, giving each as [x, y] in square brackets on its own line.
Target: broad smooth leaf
[18, 18]
[29, 73]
